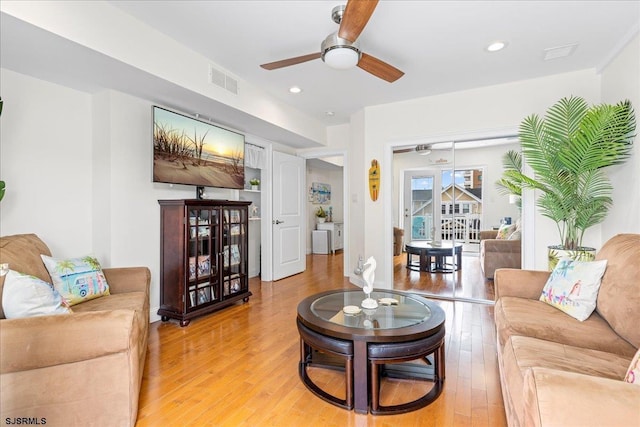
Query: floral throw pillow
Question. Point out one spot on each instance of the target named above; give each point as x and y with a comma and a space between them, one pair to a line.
28, 296
505, 231
633, 373
573, 287
77, 279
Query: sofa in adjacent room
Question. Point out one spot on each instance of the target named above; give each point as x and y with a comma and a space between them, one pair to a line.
398, 244
502, 251
556, 370
79, 369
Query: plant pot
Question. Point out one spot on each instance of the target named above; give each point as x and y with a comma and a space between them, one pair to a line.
321, 220
255, 187
555, 253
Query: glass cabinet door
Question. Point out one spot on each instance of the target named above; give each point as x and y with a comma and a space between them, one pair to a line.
234, 251
202, 258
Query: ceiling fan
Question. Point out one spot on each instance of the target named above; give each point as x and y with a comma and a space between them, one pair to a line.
341, 49
422, 149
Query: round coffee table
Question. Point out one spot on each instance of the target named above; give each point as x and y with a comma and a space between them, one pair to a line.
409, 320
428, 250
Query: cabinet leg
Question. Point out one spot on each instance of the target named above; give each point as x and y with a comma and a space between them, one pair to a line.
164, 318
185, 322
245, 299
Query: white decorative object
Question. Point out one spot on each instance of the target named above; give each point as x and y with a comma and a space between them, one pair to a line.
369, 275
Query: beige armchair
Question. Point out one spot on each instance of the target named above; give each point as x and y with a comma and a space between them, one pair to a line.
398, 246
498, 253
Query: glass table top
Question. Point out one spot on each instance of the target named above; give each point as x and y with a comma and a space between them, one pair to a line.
394, 310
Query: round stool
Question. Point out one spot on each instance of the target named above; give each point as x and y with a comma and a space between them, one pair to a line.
383, 353
309, 340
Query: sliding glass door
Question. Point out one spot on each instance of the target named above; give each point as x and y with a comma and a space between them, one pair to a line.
448, 195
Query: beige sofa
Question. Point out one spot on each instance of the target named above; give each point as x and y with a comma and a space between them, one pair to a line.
558, 371
498, 253
79, 369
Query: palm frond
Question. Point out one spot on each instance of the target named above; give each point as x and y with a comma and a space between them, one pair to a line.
567, 151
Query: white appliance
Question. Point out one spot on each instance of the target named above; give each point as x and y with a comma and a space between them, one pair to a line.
320, 241
336, 234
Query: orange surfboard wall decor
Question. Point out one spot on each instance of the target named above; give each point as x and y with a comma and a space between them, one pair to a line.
374, 180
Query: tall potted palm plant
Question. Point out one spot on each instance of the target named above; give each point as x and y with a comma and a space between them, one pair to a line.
568, 150
507, 185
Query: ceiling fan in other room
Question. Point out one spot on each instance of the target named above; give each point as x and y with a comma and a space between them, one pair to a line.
422, 149
341, 49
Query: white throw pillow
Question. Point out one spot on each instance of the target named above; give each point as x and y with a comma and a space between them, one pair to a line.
77, 279
573, 287
27, 296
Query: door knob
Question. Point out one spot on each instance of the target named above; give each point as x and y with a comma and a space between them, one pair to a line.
277, 221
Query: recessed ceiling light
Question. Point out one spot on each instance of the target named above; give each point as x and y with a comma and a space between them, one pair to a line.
330, 113
295, 89
496, 46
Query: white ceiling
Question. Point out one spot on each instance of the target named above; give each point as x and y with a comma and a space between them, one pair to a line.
438, 44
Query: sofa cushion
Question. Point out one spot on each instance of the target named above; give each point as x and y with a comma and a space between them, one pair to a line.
77, 279
521, 353
526, 317
22, 253
633, 373
137, 301
573, 287
619, 296
27, 296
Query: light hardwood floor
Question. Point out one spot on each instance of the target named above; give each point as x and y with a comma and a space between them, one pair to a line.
468, 282
238, 367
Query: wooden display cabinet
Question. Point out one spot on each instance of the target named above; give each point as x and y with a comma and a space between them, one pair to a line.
203, 257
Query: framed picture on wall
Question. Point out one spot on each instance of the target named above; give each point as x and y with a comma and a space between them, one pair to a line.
320, 193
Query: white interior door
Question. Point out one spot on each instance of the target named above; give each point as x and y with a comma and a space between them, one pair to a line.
288, 209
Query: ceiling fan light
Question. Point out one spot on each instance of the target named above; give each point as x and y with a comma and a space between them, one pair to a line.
423, 149
342, 58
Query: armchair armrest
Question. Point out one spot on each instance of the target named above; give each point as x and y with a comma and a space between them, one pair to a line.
488, 234
498, 245
519, 283
38, 342
128, 279
557, 398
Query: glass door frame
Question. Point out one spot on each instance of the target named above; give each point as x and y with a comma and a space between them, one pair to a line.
408, 217
499, 135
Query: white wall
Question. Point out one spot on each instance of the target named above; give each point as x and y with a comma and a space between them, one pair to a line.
45, 155
188, 69
78, 173
479, 110
621, 80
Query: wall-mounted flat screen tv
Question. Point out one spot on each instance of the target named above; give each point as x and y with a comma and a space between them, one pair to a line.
193, 152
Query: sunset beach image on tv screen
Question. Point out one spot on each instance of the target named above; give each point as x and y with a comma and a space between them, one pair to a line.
193, 152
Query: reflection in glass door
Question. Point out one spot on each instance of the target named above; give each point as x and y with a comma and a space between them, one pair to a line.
421, 217
456, 178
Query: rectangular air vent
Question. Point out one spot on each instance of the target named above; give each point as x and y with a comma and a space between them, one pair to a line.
222, 80
231, 84
216, 77
559, 51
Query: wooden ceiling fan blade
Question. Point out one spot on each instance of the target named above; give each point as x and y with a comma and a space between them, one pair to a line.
403, 150
291, 61
355, 18
379, 68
